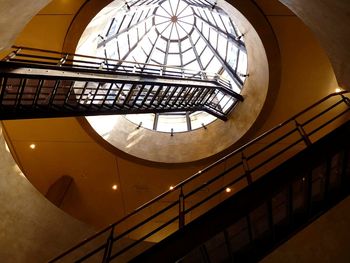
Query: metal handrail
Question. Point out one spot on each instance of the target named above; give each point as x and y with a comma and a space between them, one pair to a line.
303, 138
102, 63
200, 90
218, 83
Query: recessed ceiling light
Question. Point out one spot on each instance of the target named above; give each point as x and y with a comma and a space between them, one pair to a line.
171, 187
115, 187
32, 146
228, 189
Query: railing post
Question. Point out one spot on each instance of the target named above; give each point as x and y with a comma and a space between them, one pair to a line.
108, 250
246, 169
290, 204
181, 209
62, 60
12, 55
216, 77
302, 133
106, 63
346, 100
270, 219
202, 74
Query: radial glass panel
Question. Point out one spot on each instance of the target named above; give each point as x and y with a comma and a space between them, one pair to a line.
178, 35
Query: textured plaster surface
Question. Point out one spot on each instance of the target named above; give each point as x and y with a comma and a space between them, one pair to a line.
11, 24
31, 228
329, 20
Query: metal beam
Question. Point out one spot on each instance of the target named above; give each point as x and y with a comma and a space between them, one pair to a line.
238, 43
227, 67
125, 30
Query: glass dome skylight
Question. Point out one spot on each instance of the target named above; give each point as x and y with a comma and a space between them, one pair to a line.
181, 34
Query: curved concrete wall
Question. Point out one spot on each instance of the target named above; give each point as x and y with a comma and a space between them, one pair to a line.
23, 11
329, 20
31, 228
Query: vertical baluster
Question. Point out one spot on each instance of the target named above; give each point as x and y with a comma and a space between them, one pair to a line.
129, 96
170, 97
53, 94
62, 60
109, 245
12, 55
3, 89
118, 95
203, 98
209, 103
344, 181
20, 92
92, 99
199, 96
246, 169
228, 246
327, 178
164, 95
187, 92
38, 92
346, 100
106, 95
193, 93
309, 194
155, 95
188, 121
82, 92
290, 204
155, 121
178, 96
250, 229
141, 89
181, 209
302, 133
68, 94
270, 219
204, 254
147, 95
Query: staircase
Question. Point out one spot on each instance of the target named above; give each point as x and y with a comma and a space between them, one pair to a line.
252, 223
243, 205
37, 83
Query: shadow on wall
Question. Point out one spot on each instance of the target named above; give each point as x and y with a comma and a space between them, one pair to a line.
26, 216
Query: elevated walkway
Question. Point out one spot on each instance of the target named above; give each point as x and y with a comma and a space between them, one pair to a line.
38, 83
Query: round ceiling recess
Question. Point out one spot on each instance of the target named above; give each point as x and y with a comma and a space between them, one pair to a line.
184, 36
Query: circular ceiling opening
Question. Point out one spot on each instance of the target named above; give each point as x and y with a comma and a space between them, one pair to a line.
183, 36
193, 38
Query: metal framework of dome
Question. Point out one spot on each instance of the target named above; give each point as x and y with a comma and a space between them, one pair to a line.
180, 35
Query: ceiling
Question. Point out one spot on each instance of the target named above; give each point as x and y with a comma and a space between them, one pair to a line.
63, 147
